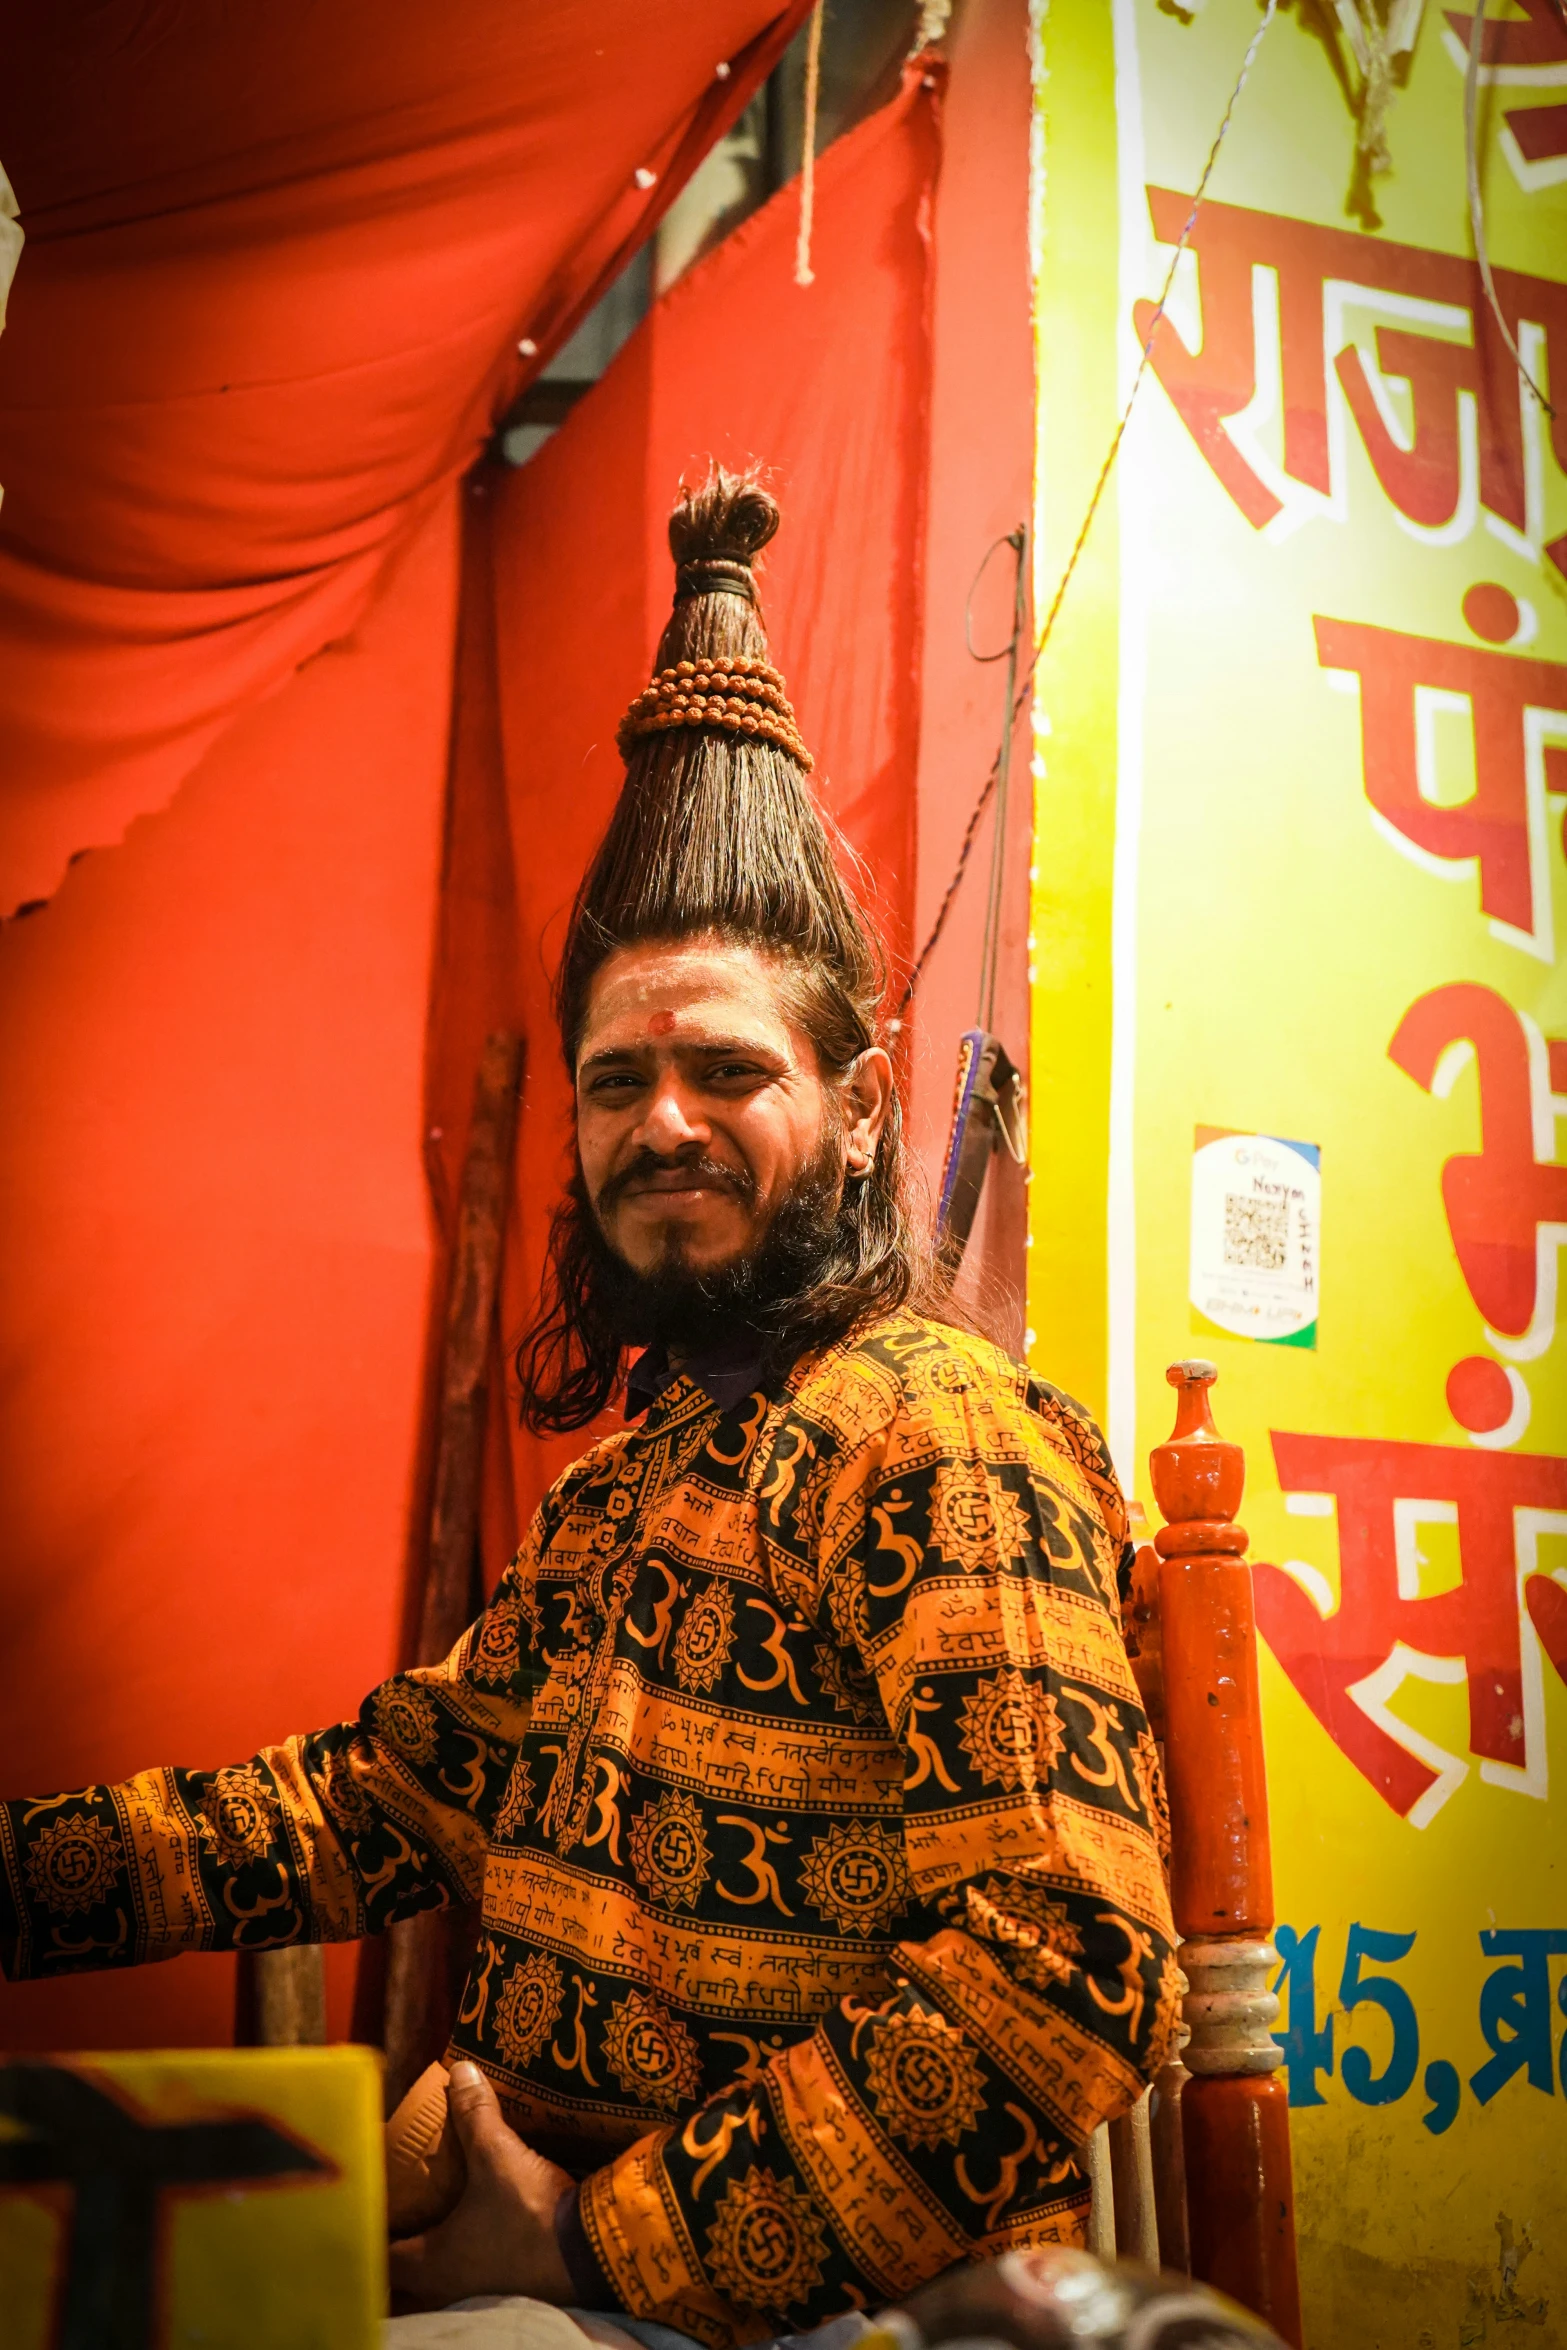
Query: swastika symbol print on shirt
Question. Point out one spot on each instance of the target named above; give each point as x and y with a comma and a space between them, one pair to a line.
925, 2083
651, 2053
239, 1818
800, 1733
528, 2008
766, 2243
73, 1863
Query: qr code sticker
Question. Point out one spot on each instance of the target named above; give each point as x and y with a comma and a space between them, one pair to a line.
1256, 1232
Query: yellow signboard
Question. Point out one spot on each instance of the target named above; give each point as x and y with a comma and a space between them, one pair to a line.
1300, 777
232, 2199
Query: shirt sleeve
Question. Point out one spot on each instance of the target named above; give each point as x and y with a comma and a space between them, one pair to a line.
321, 1839
966, 1563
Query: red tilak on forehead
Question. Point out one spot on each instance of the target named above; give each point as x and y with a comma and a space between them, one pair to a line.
661, 1023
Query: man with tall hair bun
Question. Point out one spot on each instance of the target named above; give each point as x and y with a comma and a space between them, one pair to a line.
797, 1761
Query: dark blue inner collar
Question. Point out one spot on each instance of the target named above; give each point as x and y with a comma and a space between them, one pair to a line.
727, 1369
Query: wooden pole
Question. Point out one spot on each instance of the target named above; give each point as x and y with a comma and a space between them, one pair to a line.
288, 1996
470, 1317
1131, 2172
418, 1952
1234, 2108
1101, 2192
1167, 2146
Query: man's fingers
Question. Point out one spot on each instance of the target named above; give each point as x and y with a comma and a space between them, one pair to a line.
408, 2263
474, 2108
466, 2087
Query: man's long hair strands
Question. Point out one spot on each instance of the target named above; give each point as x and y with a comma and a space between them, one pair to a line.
715, 834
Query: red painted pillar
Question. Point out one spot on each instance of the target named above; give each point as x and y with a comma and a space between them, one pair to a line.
1235, 2108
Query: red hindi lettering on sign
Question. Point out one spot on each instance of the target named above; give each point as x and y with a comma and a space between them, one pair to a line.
1502, 1200
1317, 270
1332, 1658
1493, 825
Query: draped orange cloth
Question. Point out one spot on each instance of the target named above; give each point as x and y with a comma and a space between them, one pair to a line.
237, 1051
278, 267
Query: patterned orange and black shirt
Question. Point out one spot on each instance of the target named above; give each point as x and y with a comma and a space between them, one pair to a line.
802, 1776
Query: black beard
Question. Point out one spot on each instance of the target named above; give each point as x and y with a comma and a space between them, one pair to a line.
683, 1311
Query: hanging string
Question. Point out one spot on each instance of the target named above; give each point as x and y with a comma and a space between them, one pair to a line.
1081, 540
990, 942
1476, 208
1376, 95
1378, 32
804, 275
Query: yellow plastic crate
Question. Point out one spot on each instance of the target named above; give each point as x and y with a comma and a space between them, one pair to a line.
207, 2199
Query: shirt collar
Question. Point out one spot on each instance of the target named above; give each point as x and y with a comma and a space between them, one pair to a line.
727, 1369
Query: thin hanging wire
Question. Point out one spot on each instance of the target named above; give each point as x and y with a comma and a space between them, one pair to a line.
804, 275
1078, 544
1476, 207
990, 946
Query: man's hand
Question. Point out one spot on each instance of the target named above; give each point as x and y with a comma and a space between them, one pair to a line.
501, 2236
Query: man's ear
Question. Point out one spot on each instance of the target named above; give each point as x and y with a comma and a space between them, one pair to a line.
867, 1100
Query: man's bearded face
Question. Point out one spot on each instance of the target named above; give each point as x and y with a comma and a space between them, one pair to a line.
707, 1138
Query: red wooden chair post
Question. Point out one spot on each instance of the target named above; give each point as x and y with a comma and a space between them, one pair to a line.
1235, 2108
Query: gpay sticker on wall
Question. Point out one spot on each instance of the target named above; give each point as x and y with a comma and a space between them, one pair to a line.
1256, 1221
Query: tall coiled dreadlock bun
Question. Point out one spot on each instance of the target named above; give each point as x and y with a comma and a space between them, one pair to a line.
715, 829
715, 536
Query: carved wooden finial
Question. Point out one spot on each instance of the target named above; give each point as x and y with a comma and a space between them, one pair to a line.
1197, 1475
1192, 1379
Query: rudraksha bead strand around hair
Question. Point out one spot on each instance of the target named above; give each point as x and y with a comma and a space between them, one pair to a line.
731, 695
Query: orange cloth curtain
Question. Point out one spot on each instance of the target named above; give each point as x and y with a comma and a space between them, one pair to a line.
218, 1252
279, 263
268, 309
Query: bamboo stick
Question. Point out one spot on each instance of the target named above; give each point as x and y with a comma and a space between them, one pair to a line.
419, 1949
1169, 2162
1101, 2185
1131, 2170
289, 1992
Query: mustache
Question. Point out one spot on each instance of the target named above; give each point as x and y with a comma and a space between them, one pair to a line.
737, 1180
802, 1247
